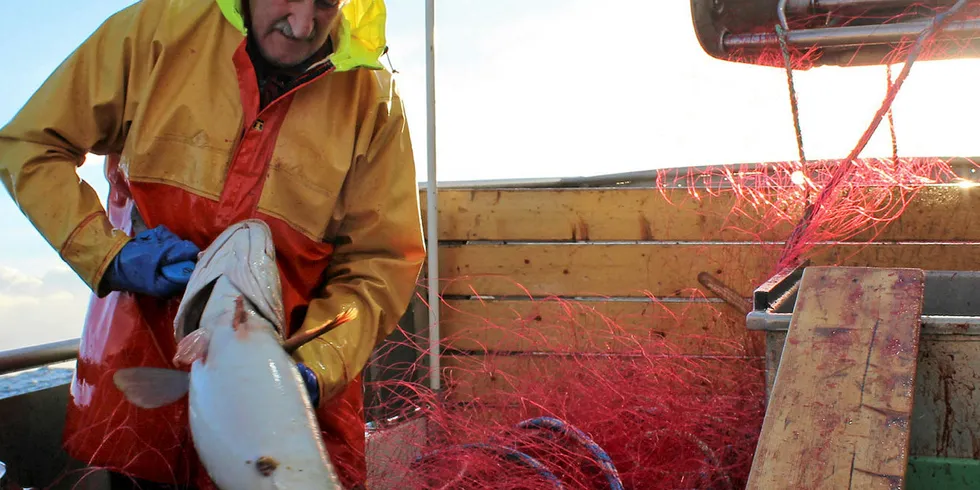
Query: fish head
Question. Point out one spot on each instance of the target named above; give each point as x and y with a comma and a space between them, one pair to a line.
245, 255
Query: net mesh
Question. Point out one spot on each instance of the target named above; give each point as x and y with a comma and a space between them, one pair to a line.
560, 393
587, 403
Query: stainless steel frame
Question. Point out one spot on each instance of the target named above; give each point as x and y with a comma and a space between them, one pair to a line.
841, 32
952, 303
852, 36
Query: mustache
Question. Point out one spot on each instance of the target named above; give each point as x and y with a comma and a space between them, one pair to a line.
282, 25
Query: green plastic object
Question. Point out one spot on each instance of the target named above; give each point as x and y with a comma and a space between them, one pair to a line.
925, 473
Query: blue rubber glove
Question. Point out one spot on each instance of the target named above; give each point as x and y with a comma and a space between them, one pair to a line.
155, 262
312, 386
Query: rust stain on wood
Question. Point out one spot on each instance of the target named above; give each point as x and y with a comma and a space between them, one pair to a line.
646, 231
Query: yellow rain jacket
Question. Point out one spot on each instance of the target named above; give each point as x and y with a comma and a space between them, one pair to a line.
166, 89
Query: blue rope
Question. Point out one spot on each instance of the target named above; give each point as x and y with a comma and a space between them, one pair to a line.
554, 425
508, 453
605, 462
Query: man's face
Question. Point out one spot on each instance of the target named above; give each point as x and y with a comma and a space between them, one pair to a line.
290, 31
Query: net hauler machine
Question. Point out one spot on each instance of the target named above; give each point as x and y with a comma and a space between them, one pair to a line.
834, 32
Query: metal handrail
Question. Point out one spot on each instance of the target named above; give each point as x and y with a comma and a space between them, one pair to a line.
38, 355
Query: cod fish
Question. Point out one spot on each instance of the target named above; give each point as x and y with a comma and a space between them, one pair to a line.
250, 416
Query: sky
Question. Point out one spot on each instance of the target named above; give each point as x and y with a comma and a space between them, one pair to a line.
541, 88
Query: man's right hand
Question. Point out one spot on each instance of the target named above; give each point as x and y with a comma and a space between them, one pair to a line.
139, 266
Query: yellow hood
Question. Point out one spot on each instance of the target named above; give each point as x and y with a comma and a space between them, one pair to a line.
359, 42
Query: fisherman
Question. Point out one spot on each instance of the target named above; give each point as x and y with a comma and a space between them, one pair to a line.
210, 112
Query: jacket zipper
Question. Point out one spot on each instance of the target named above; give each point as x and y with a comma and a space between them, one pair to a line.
243, 128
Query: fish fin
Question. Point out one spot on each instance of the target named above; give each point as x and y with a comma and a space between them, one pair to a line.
193, 347
301, 338
152, 387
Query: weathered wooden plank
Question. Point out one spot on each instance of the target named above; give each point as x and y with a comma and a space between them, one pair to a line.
643, 270
841, 405
494, 379
557, 325
613, 214
939, 213
600, 214
597, 270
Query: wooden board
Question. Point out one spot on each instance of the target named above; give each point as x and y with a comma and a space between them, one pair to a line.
554, 325
940, 213
616, 214
595, 215
496, 378
841, 405
643, 270
596, 270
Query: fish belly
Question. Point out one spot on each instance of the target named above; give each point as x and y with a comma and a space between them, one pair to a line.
250, 418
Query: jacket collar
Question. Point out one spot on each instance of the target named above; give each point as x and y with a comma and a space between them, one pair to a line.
359, 41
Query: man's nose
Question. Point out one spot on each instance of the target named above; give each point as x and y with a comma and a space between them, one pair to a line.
301, 18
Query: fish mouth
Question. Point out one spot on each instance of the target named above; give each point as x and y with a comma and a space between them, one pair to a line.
197, 303
195, 308
245, 255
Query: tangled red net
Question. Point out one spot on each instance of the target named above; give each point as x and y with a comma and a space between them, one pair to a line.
610, 409
589, 402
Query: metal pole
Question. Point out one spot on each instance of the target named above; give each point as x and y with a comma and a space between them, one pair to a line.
432, 186
864, 4
781, 13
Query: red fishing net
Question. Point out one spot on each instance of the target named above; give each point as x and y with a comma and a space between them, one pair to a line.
585, 404
557, 393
